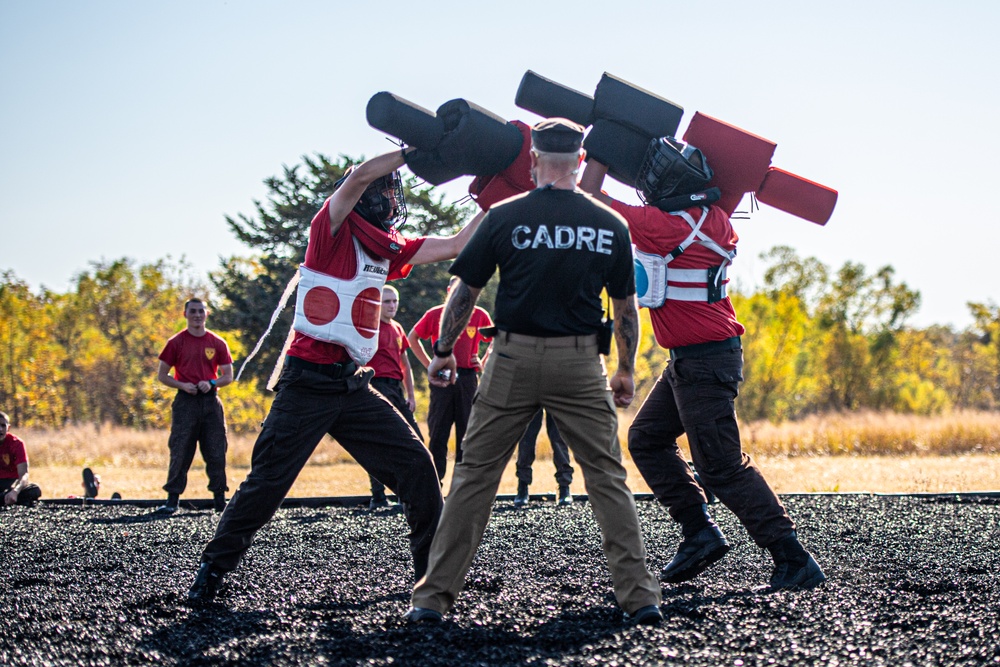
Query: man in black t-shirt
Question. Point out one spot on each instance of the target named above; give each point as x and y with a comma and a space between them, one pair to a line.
557, 250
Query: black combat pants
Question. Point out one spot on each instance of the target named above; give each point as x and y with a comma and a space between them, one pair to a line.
28, 496
392, 389
197, 419
450, 405
560, 452
696, 396
308, 406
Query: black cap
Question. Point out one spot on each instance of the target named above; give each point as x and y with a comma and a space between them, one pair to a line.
557, 135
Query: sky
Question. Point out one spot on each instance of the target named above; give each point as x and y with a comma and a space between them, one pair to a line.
131, 129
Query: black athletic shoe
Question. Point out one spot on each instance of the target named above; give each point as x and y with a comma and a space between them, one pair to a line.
565, 497
422, 615
695, 554
206, 583
649, 615
89, 483
521, 499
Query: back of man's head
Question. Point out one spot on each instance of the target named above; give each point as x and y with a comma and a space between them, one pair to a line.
557, 136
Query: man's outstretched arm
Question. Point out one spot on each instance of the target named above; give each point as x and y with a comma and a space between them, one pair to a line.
437, 248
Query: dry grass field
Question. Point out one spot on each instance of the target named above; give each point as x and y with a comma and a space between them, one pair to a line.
840, 453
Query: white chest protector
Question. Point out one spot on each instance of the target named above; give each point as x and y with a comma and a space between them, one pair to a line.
344, 311
653, 277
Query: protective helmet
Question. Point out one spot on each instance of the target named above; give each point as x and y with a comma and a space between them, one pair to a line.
671, 168
382, 203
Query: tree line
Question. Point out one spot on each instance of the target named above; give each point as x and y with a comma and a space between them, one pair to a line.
817, 340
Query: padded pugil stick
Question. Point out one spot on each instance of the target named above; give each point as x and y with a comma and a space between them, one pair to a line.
549, 99
619, 147
476, 141
796, 195
649, 114
739, 158
403, 119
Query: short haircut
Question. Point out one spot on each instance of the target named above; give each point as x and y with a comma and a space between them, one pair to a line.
193, 300
391, 289
6, 417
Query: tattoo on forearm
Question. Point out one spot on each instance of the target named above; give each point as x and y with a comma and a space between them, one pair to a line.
627, 335
457, 312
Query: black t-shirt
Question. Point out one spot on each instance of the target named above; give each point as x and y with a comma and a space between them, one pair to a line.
556, 250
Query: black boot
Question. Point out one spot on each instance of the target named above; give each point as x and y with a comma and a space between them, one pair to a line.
378, 501
219, 501
206, 583
89, 483
170, 506
521, 499
703, 545
565, 497
794, 568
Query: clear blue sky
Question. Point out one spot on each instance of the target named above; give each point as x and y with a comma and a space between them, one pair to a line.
129, 129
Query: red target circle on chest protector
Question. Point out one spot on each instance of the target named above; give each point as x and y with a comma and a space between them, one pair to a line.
366, 310
321, 305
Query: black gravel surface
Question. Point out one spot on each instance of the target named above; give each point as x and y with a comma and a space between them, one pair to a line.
912, 581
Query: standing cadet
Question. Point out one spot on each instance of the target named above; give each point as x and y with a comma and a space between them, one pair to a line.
451, 403
684, 250
557, 250
202, 365
393, 375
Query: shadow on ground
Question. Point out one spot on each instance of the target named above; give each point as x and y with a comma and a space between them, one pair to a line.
911, 580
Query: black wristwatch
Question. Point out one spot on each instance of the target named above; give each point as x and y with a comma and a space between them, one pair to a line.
440, 353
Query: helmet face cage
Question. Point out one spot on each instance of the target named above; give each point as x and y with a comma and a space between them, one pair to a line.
671, 167
382, 203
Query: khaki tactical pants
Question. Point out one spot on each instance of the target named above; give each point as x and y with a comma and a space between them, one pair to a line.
566, 377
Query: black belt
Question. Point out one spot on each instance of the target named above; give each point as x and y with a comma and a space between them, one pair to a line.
393, 381
466, 371
705, 349
335, 371
582, 340
201, 394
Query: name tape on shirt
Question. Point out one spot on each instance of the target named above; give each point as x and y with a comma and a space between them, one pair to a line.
563, 238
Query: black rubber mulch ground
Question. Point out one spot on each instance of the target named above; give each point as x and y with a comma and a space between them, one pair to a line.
911, 581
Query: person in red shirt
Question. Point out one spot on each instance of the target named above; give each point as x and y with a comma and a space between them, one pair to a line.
452, 404
14, 484
201, 363
681, 251
325, 385
393, 375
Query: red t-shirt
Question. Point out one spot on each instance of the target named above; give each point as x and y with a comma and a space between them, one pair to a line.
680, 323
334, 256
12, 454
467, 345
195, 358
392, 345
